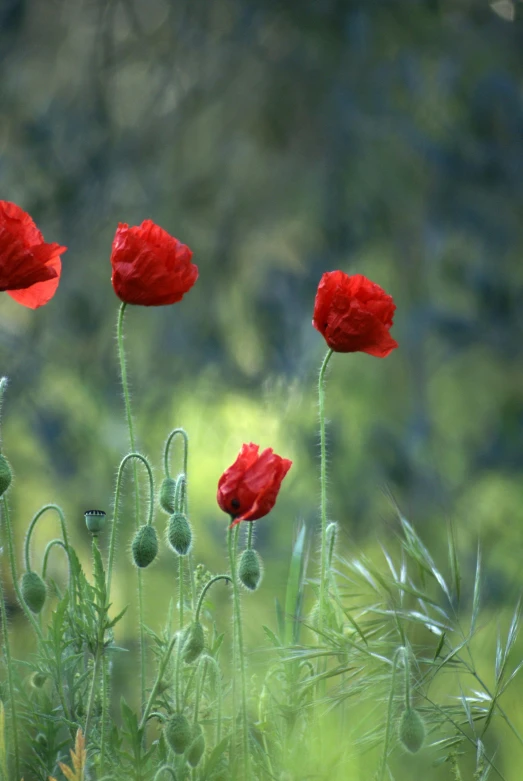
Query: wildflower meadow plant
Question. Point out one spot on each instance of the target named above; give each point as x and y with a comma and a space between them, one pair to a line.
358, 643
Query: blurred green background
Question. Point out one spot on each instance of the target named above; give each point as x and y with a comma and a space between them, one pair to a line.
278, 140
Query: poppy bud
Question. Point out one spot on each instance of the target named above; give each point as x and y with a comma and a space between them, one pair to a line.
178, 733
144, 546
5, 475
38, 680
412, 730
167, 494
33, 590
250, 570
193, 643
179, 534
197, 746
94, 520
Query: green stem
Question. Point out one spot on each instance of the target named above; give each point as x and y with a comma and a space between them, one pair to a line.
175, 432
389, 716
5, 636
250, 534
97, 658
130, 426
159, 677
48, 548
181, 595
218, 683
10, 682
204, 592
27, 543
232, 539
199, 686
323, 484
105, 698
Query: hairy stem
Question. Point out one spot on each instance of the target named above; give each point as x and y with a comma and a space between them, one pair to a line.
166, 460
232, 539
130, 426
204, 592
161, 671
323, 483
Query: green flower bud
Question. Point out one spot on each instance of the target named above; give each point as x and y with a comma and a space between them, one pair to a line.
38, 680
33, 591
197, 746
145, 546
5, 475
167, 494
179, 534
412, 730
94, 520
193, 643
250, 569
178, 733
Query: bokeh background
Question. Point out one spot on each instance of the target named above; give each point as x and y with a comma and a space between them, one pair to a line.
279, 140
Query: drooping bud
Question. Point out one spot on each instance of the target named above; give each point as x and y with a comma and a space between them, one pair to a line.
179, 534
5, 475
412, 730
193, 643
167, 494
178, 733
33, 591
145, 546
94, 520
250, 569
197, 746
38, 680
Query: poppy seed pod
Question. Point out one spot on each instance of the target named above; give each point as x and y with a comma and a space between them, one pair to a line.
179, 534
193, 643
94, 520
250, 569
412, 730
178, 733
167, 495
197, 746
5, 475
145, 546
33, 591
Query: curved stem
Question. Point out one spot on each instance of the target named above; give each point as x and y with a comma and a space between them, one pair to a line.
205, 589
130, 426
250, 534
232, 539
407, 678
117, 495
34, 521
48, 548
175, 432
323, 483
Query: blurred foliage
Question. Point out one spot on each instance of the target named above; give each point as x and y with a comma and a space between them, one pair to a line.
279, 140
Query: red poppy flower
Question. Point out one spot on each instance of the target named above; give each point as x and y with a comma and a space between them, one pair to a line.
247, 490
150, 267
29, 268
354, 314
